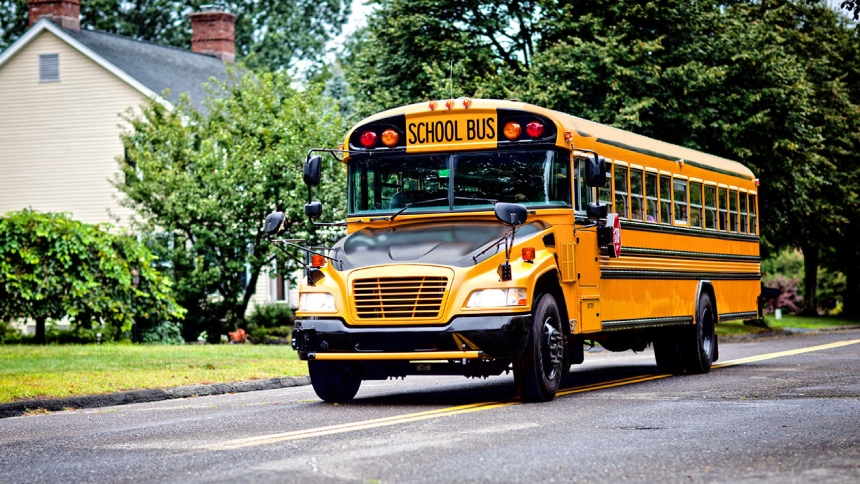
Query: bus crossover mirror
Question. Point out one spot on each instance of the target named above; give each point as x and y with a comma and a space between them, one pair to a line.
511, 213
313, 210
274, 223
596, 210
313, 168
595, 170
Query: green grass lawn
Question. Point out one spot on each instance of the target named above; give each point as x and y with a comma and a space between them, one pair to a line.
72, 370
730, 328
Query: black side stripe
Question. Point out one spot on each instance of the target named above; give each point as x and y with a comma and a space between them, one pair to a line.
697, 232
677, 275
735, 316
622, 324
680, 254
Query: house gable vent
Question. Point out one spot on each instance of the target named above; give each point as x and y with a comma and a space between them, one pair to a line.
49, 67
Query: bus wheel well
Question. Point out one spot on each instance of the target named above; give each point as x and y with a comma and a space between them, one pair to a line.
549, 283
705, 287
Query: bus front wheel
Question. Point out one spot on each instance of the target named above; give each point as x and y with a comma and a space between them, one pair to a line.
335, 381
537, 372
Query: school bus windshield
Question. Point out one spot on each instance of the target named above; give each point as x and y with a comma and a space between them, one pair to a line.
459, 181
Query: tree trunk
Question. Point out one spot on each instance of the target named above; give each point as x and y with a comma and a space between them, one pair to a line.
851, 298
40, 331
810, 279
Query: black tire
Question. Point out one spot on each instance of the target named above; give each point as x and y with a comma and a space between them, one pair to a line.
699, 346
668, 353
537, 372
335, 381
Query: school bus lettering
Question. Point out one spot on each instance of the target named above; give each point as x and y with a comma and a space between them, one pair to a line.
453, 130
469, 255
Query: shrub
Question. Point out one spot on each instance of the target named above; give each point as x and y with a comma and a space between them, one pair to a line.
166, 333
270, 316
789, 295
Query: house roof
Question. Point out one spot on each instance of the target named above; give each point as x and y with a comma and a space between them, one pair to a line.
148, 67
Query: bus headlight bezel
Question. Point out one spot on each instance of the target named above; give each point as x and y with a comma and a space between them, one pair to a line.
497, 297
316, 302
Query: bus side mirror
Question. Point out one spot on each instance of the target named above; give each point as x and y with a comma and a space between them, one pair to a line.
511, 213
596, 210
595, 171
274, 223
313, 167
313, 210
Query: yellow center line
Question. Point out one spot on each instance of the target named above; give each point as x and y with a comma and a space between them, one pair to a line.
780, 354
475, 407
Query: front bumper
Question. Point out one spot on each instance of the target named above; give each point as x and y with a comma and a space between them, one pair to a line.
469, 337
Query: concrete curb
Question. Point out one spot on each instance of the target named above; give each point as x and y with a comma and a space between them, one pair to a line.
15, 409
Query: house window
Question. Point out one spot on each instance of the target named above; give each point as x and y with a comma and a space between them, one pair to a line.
49, 67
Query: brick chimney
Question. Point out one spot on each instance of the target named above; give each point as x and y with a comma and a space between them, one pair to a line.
212, 33
65, 13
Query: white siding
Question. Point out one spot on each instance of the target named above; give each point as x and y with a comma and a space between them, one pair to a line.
59, 140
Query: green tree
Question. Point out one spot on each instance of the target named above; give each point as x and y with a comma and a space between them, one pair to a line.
273, 34
52, 267
410, 48
203, 184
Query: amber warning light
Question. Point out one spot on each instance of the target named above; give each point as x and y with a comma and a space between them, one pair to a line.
317, 260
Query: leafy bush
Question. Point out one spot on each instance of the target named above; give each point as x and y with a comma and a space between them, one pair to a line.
8, 334
789, 299
53, 267
279, 334
270, 316
166, 333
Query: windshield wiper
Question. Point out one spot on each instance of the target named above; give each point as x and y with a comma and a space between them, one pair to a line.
424, 202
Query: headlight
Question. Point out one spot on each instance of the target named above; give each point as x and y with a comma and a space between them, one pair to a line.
497, 298
316, 302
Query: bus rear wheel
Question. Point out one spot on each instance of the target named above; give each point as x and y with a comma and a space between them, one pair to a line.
335, 381
699, 348
537, 372
668, 354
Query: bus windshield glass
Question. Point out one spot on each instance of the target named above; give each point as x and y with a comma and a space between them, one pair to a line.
459, 181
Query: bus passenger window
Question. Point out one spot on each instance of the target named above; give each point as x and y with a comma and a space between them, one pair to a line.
743, 201
651, 196
733, 210
621, 191
695, 204
680, 200
724, 208
665, 199
637, 209
710, 207
752, 214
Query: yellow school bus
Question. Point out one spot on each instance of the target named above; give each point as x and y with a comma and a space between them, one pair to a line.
485, 236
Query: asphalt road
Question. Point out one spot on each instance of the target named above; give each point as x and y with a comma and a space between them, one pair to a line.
778, 410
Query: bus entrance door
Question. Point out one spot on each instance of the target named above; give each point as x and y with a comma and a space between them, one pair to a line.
588, 276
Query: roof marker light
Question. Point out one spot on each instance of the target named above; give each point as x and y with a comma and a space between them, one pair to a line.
757, 182
467, 103
368, 139
449, 104
390, 137
534, 129
513, 130
681, 163
568, 136
432, 105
